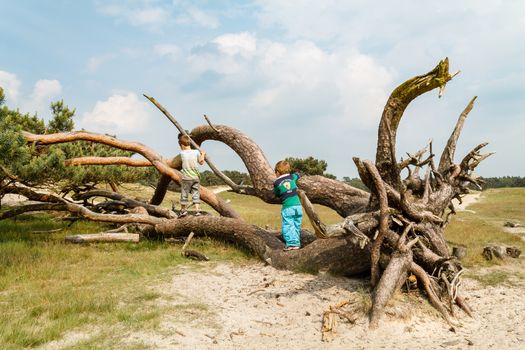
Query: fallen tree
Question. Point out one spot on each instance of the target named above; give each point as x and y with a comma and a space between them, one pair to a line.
395, 231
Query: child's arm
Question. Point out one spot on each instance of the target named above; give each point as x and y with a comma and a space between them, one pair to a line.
202, 156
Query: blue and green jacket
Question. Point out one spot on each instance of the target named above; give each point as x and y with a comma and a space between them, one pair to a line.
285, 187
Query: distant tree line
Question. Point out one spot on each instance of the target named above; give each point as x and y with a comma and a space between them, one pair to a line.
208, 178
505, 181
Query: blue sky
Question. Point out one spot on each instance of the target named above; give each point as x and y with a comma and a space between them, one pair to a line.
302, 78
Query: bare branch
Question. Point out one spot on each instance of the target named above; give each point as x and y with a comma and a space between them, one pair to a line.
108, 161
472, 155
31, 194
413, 159
398, 101
209, 197
210, 124
128, 202
383, 220
220, 174
122, 219
30, 208
447, 157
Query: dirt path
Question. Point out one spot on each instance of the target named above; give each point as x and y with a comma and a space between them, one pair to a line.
467, 200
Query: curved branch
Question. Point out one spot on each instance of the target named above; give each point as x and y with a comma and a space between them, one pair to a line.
128, 202
108, 161
31, 207
209, 197
383, 220
164, 182
32, 195
473, 158
113, 218
338, 254
343, 198
398, 101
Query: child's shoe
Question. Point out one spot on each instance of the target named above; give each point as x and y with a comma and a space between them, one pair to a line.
291, 247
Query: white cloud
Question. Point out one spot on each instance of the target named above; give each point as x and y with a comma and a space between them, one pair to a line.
298, 76
153, 16
202, 18
189, 14
44, 92
243, 44
120, 113
169, 50
148, 16
141, 14
11, 85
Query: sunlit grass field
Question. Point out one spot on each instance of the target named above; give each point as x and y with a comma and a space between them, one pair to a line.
483, 223
49, 288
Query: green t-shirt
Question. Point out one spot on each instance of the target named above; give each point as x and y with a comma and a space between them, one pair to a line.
285, 187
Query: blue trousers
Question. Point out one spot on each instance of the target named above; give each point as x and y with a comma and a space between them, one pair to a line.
291, 219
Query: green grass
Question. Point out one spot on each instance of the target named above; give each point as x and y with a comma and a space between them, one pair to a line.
477, 230
49, 288
497, 277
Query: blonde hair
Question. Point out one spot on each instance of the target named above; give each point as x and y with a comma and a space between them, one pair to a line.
282, 167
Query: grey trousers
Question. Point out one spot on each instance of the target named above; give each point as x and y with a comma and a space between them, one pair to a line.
190, 187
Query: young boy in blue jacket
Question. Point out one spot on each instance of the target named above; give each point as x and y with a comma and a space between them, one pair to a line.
285, 187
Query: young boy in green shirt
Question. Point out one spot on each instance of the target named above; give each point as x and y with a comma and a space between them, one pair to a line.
285, 187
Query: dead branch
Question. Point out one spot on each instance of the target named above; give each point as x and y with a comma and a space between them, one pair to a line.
15, 211
108, 161
447, 157
329, 323
210, 124
383, 220
207, 196
398, 101
127, 202
192, 253
104, 237
220, 174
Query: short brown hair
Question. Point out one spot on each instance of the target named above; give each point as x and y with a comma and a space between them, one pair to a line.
282, 167
185, 140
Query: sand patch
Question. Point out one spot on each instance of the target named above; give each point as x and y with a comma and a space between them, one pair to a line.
258, 307
466, 201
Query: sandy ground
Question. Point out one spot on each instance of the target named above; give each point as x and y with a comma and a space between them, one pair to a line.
255, 306
258, 307
467, 200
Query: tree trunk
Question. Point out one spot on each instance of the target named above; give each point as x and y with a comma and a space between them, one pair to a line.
394, 230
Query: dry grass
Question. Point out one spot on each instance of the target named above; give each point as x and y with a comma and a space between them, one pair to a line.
485, 226
49, 288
